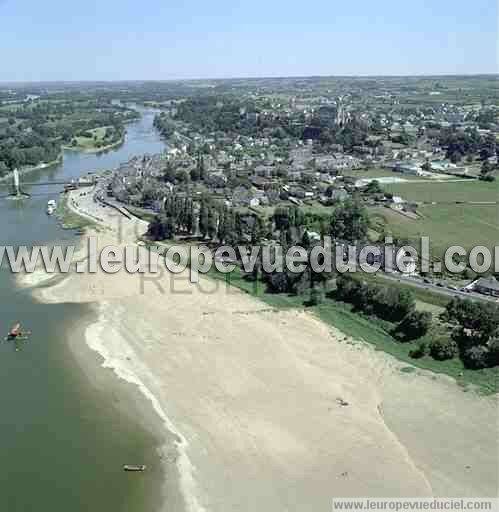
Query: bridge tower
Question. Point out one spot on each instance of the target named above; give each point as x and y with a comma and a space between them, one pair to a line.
17, 190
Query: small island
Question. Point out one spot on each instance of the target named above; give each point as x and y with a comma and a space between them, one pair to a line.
98, 139
34, 131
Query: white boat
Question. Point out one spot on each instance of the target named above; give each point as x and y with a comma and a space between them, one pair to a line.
52, 203
140, 467
50, 210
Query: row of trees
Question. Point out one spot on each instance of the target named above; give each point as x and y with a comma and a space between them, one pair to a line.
164, 125
391, 304
209, 219
349, 136
348, 222
460, 144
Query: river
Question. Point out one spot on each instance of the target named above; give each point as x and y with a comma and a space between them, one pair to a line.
64, 435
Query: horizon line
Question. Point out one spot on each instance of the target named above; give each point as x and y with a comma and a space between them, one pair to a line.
277, 77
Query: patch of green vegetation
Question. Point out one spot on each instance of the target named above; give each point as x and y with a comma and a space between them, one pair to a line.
141, 214
445, 224
408, 369
97, 139
378, 173
446, 192
70, 219
428, 297
434, 309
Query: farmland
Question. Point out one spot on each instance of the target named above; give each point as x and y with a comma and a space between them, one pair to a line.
378, 173
445, 225
446, 192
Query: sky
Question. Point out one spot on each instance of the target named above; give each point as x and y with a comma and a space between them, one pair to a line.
163, 39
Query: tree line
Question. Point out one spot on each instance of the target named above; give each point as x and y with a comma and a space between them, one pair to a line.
388, 303
34, 132
475, 332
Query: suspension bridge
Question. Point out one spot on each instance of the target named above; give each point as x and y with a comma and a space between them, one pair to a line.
18, 192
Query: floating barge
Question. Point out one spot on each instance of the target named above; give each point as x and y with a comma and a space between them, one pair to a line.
128, 467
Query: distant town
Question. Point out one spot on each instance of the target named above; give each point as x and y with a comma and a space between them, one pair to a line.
287, 162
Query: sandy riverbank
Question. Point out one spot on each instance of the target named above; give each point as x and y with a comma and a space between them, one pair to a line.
252, 396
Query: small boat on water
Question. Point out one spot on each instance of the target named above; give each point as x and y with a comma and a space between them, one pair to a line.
15, 330
51, 206
128, 467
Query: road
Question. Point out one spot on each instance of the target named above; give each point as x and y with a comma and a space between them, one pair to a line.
419, 283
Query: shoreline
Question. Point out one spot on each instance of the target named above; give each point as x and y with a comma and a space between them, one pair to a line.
139, 404
39, 167
123, 370
59, 160
178, 492
271, 432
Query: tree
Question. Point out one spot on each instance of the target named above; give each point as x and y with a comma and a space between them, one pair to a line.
494, 350
414, 325
349, 222
487, 167
476, 331
488, 148
212, 223
373, 187
476, 357
478, 322
420, 351
281, 218
277, 282
194, 173
169, 173
190, 217
3, 168
316, 296
426, 166
404, 304
161, 228
443, 348
200, 167
203, 219
258, 230
182, 177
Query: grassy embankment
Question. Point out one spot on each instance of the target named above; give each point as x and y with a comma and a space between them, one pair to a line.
371, 330
366, 329
69, 219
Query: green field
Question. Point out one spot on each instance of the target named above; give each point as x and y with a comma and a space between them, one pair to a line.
442, 192
446, 223
380, 173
